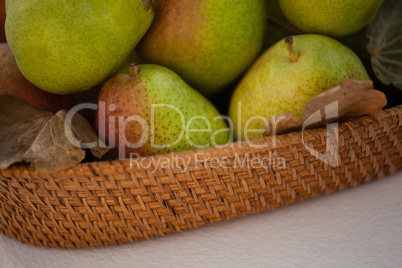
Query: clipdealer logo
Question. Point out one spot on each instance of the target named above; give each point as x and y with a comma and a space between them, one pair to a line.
329, 157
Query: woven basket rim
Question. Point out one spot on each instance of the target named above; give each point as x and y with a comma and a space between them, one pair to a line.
366, 119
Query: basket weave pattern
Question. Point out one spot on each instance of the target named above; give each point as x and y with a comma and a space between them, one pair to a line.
110, 203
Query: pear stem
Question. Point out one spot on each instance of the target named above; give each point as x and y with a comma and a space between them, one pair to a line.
293, 55
134, 68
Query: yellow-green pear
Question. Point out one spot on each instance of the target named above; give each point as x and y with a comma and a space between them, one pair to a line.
330, 17
70, 46
151, 110
209, 43
286, 76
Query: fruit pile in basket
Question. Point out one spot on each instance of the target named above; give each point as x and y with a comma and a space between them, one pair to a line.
155, 77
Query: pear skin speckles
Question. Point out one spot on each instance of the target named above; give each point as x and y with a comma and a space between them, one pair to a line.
13, 83
121, 97
208, 43
167, 105
330, 17
275, 85
70, 46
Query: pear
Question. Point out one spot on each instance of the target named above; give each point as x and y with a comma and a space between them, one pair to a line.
286, 76
208, 43
70, 46
13, 83
2, 20
330, 17
151, 110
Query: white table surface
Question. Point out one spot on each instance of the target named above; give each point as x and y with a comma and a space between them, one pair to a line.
359, 227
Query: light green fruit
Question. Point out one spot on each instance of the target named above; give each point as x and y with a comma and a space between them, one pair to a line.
282, 81
174, 116
70, 46
208, 43
330, 17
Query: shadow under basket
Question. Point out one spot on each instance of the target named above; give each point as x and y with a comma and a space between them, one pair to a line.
110, 203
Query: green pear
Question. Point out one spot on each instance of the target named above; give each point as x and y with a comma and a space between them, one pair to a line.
13, 83
70, 46
330, 17
286, 76
153, 111
208, 43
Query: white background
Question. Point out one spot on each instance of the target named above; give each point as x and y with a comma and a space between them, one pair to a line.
359, 227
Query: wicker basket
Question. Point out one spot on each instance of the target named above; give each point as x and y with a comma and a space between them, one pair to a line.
110, 203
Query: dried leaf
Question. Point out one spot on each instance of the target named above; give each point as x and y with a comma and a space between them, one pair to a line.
385, 46
41, 138
348, 100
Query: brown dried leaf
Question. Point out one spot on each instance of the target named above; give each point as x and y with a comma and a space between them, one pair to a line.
348, 100
38, 137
